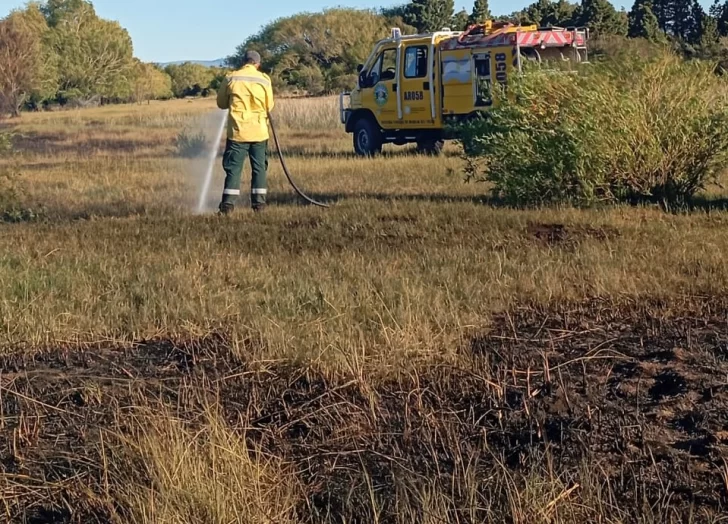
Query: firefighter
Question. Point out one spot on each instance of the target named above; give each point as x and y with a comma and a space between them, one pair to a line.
248, 96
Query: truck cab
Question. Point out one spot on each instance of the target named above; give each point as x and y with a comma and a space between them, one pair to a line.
395, 98
411, 86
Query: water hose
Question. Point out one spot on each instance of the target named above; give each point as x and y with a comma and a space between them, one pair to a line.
285, 167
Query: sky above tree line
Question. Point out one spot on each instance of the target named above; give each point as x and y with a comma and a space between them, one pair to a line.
171, 30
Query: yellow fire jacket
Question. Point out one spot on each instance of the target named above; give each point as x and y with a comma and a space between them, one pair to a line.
248, 95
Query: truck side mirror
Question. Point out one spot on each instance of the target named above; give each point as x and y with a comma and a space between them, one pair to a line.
363, 79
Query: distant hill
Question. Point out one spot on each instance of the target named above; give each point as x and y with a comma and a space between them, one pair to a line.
207, 63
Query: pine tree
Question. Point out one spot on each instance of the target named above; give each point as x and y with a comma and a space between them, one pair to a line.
643, 22
719, 11
431, 15
701, 22
559, 14
709, 44
687, 18
663, 11
602, 17
562, 13
481, 12
460, 21
538, 11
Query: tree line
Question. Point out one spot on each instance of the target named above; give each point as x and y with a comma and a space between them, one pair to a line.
318, 53
62, 52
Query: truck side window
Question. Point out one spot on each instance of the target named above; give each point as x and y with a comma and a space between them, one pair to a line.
389, 65
374, 72
415, 62
483, 80
385, 68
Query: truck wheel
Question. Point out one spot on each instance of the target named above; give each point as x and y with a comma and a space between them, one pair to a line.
430, 147
367, 138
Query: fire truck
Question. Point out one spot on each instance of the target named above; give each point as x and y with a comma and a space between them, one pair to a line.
413, 86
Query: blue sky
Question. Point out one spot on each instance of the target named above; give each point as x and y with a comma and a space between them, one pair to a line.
170, 30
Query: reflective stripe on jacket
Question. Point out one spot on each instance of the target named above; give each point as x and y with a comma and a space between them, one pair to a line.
248, 95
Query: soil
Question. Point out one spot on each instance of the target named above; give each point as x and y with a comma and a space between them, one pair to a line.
631, 400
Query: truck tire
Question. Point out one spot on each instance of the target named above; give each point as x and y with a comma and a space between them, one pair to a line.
367, 138
430, 147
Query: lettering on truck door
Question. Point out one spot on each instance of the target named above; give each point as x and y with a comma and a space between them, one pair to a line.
415, 83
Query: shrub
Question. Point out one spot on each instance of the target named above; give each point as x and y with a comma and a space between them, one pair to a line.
11, 208
6, 143
191, 145
617, 48
626, 130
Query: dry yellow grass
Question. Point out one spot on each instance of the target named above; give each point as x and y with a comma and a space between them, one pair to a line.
201, 474
396, 279
427, 259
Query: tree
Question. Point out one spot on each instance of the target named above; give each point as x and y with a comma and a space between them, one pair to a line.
461, 20
95, 55
561, 14
150, 83
218, 77
189, 79
686, 20
397, 11
55, 11
702, 23
643, 22
481, 12
26, 64
318, 52
683, 19
537, 11
719, 11
431, 15
547, 13
602, 17
709, 44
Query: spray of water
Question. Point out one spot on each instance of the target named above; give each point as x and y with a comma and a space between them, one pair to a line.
214, 148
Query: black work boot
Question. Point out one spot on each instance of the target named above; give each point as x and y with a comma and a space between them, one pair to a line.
225, 208
258, 208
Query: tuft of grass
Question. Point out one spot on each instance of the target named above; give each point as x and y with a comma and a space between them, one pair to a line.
6, 143
190, 144
198, 472
12, 208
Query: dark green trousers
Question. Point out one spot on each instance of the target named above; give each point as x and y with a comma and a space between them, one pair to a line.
233, 161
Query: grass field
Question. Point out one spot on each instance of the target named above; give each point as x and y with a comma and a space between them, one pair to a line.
415, 353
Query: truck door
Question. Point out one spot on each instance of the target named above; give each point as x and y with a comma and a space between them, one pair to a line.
415, 87
380, 93
483, 80
492, 69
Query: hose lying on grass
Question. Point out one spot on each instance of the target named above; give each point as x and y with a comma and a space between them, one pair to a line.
285, 168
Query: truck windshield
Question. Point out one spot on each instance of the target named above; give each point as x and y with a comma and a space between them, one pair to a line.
385, 67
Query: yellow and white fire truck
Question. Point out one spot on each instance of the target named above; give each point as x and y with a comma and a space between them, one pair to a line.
411, 87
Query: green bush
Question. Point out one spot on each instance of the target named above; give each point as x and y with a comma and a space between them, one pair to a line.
191, 145
626, 130
6, 143
11, 208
